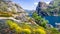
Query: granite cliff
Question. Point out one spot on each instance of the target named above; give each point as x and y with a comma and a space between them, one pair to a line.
51, 9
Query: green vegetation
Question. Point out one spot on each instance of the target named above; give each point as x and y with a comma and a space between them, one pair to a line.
3, 6
5, 14
56, 2
54, 8
40, 31
22, 28
14, 26
52, 31
27, 29
39, 20
42, 22
11, 27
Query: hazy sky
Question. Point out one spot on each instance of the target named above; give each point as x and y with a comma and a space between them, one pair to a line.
29, 4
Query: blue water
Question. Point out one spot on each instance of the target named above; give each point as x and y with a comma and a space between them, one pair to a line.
53, 19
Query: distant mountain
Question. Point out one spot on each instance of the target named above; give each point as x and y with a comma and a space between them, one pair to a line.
30, 12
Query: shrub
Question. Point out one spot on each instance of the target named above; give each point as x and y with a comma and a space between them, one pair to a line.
14, 26
39, 20
54, 31
39, 31
26, 31
25, 26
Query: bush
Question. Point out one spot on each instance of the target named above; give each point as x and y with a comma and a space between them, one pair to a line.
39, 20
14, 26
39, 31
54, 31
26, 31
25, 26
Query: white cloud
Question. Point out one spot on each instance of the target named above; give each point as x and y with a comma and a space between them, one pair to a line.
36, 3
47, 2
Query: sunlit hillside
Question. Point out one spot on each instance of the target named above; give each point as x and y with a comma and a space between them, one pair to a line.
16, 20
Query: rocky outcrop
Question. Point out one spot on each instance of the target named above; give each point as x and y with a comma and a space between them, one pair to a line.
55, 5
53, 9
18, 12
41, 6
11, 6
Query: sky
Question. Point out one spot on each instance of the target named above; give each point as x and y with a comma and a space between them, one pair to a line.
29, 4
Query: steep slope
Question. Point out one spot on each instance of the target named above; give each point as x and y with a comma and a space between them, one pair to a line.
11, 9
41, 7
53, 9
10, 6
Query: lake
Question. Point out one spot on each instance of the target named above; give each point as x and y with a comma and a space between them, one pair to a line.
53, 19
